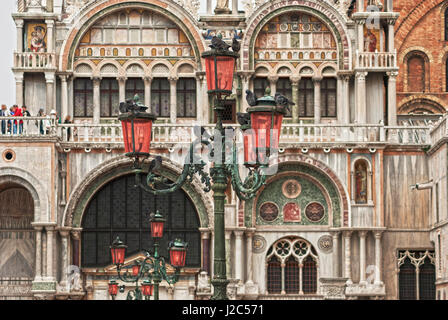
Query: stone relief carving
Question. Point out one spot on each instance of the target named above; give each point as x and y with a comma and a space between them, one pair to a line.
191, 6
73, 6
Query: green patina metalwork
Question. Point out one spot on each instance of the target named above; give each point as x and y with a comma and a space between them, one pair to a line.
310, 193
101, 181
43, 286
146, 5
289, 9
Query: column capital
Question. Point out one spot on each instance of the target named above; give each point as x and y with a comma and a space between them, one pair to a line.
50, 76
317, 79
295, 79
64, 231
205, 233
273, 78
246, 75
362, 233
344, 76
200, 75
238, 233
335, 234
361, 76
392, 75
250, 232
96, 80
347, 233
49, 23
378, 234
148, 79
228, 234
63, 77
76, 233
50, 228
19, 23
18, 76
173, 79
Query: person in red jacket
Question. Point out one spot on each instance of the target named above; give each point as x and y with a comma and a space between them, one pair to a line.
17, 113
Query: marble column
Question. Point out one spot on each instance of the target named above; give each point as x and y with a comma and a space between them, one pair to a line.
209, 7
283, 265
362, 257
347, 256
64, 232
205, 238
50, 253
343, 98
391, 35
122, 89
148, 81
38, 273
360, 31
249, 270
273, 84
64, 96
199, 110
76, 238
96, 99
378, 258
295, 80
173, 99
301, 278
19, 88
50, 81
335, 236
392, 98
317, 101
361, 101
50, 37
234, 7
239, 255
19, 27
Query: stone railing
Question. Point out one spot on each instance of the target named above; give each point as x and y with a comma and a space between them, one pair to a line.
34, 60
376, 60
169, 135
439, 130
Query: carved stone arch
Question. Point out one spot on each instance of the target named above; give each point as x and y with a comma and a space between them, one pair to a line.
413, 104
326, 65
161, 62
282, 65
182, 63
135, 62
120, 70
120, 166
86, 62
341, 210
310, 65
33, 185
98, 9
322, 10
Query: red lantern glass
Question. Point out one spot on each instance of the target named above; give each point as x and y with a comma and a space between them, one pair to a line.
147, 288
118, 252
178, 253
157, 224
219, 73
113, 288
142, 135
250, 147
135, 270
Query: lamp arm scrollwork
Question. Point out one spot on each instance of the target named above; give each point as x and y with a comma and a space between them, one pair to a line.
171, 279
254, 181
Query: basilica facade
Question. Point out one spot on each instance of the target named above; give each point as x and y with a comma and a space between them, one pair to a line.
356, 209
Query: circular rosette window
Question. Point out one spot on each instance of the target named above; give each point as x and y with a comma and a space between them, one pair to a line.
269, 211
314, 211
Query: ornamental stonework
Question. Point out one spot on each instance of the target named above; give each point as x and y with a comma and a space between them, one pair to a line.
325, 244
291, 188
258, 244
269, 211
314, 211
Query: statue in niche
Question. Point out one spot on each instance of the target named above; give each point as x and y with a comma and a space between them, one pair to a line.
370, 42
361, 182
222, 6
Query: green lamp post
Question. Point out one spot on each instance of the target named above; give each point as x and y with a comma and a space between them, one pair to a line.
261, 138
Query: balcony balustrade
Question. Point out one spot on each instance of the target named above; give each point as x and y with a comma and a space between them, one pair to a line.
34, 61
376, 61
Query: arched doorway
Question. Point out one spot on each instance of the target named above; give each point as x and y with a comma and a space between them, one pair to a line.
17, 244
120, 209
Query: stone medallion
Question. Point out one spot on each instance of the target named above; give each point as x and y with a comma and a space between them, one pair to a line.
291, 212
325, 243
291, 188
314, 211
258, 244
269, 211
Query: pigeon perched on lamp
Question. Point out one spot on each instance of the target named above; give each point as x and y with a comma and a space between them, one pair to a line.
236, 46
283, 101
243, 118
155, 164
251, 98
219, 44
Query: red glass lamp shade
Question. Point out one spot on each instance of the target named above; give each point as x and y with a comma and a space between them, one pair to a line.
219, 70
135, 270
178, 253
157, 224
118, 251
113, 288
147, 288
137, 128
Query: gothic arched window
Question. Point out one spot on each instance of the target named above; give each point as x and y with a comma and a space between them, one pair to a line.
407, 281
296, 260
120, 209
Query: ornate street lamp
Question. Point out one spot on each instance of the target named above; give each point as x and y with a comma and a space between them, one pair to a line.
152, 270
261, 137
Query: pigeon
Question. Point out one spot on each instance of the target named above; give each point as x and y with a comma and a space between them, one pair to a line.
283, 101
236, 46
123, 107
251, 98
219, 44
243, 118
200, 132
155, 164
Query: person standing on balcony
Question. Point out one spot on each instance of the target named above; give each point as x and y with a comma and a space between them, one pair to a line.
17, 113
25, 113
4, 113
68, 120
40, 123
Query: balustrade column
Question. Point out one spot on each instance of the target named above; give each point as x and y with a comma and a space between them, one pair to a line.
19, 26
347, 256
38, 274
148, 81
173, 99
50, 252
317, 100
50, 81
19, 88
378, 258
273, 84
361, 102
295, 80
50, 37
205, 238
122, 89
335, 236
239, 255
64, 96
362, 257
96, 99
392, 98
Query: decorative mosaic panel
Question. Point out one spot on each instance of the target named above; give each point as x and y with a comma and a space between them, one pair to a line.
134, 33
295, 36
